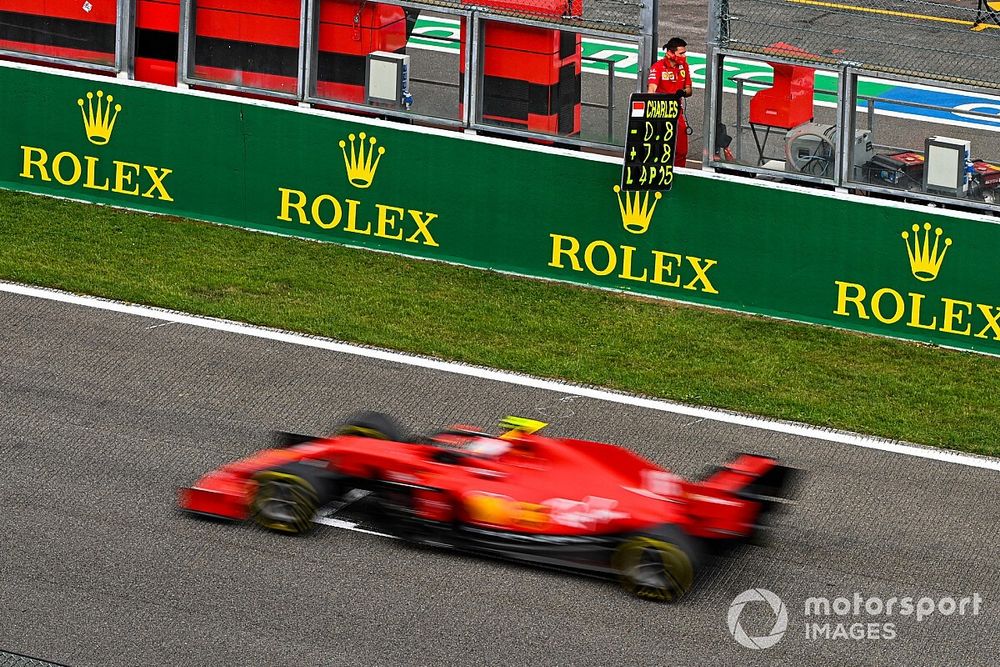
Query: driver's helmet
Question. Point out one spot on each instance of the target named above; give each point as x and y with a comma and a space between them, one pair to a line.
472, 442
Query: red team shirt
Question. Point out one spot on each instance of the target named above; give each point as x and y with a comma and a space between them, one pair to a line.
672, 77
669, 76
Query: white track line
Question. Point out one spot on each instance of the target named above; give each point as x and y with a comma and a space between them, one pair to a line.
349, 525
789, 428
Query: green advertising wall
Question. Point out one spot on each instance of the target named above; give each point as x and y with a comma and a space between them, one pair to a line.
724, 242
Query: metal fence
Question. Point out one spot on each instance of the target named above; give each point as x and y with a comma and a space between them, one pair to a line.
853, 51
617, 16
15, 660
957, 43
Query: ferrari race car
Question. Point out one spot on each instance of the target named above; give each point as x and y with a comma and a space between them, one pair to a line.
589, 506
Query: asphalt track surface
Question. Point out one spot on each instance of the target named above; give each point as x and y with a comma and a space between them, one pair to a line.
106, 414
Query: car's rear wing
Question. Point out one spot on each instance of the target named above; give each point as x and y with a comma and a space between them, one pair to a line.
754, 477
734, 500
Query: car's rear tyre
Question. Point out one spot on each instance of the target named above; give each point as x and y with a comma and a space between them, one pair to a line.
371, 425
657, 566
287, 497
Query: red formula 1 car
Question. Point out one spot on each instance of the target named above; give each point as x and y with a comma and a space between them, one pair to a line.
561, 502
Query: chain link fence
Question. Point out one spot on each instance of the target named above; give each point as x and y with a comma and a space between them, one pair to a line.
15, 660
956, 42
623, 17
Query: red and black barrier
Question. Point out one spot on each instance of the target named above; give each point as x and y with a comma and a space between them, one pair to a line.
246, 44
156, 41
59, 29
531, 78
348, 32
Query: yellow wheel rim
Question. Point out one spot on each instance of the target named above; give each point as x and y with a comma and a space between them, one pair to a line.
284, 502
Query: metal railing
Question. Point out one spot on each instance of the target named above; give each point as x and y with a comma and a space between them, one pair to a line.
610, 106
931, 40
851, 163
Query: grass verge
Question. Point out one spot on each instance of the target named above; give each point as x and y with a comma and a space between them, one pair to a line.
804, 373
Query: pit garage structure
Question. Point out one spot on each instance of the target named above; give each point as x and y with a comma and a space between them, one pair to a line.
509, 67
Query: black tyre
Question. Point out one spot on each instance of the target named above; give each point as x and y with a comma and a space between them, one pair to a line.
372, 425
288, 496
659, 565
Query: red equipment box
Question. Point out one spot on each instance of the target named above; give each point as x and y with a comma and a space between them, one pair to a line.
989, 174
60, 29
909, 159
345, 44
788, 102
157, 22
903, 170
531, 78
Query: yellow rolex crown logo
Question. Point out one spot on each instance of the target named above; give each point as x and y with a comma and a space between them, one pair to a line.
360, 167
636, 210
925, 261
98, 119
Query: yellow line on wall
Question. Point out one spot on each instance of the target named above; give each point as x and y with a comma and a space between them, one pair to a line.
890, 12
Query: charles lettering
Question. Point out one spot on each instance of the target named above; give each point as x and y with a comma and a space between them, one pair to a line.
662, 108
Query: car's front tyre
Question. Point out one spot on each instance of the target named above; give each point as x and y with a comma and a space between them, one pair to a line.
287, 497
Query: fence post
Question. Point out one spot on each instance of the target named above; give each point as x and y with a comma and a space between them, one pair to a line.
308, 51
713, 79
125, 40
185, 54
648, 48
846, 101
473, 69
